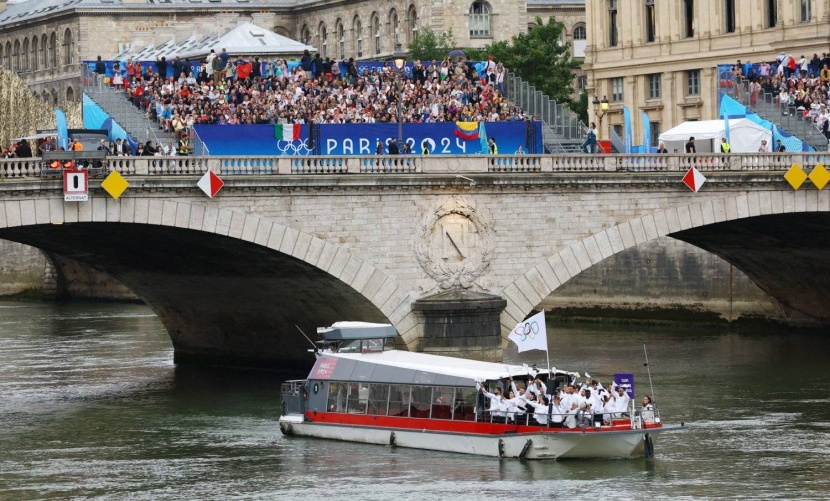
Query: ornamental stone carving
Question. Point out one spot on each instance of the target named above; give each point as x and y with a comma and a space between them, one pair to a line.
454, 244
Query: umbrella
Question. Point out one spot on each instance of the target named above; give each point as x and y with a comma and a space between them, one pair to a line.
456, 53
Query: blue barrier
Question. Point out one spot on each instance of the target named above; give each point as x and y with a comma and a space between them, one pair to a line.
361, 139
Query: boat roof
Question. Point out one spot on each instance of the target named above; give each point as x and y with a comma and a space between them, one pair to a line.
406, 367
341, 331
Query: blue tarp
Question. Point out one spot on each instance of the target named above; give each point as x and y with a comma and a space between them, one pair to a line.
97, 118
733, 109
361, 139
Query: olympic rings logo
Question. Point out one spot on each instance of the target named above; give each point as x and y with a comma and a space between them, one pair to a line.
528, 330
289, 148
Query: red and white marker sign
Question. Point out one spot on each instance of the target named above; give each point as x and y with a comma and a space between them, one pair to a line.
694, 179
210, 184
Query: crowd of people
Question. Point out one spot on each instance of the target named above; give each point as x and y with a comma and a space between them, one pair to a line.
591, 404
318, 90
800, 86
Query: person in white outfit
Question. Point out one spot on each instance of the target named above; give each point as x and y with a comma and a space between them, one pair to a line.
541, 408
498, 405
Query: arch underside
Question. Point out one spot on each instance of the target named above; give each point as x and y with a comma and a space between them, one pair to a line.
787, 255
224, 301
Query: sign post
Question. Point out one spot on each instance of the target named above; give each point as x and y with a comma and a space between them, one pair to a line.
75, 185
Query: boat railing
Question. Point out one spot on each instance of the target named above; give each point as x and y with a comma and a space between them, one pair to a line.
580, 420
293, 396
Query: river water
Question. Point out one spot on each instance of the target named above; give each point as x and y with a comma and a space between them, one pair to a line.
91, 405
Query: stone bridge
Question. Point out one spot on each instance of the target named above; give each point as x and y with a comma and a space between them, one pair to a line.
454, 251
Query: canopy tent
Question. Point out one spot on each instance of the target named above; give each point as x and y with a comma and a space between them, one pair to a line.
744, 136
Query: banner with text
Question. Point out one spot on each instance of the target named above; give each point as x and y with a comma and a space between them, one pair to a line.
626, 381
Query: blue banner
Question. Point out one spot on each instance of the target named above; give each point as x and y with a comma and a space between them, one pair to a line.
626, 381
96, 118
646, 133
362, 139
628, 129
61, 128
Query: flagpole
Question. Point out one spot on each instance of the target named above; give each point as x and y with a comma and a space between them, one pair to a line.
547, 346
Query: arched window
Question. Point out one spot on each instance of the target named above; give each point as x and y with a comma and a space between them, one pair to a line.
376, 32
70, 94
24, 56
68, 47
44, 96
16, 56
305, 35
33, 54
2, 55
412, 20
9, 62
322, 33
358, 36
54, 96
341, 40
44, 61
395, 25
53, 56
479, 20
580, 33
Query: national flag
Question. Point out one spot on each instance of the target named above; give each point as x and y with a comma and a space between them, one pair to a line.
287, 132
530, 334
466, 130
694, 179
482, 136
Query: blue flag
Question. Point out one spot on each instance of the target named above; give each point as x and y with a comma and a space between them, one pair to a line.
627, 125
482, 136
726, 127
646, 133
63, 131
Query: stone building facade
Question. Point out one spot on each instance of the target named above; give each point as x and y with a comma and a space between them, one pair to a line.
44, 41
660, 57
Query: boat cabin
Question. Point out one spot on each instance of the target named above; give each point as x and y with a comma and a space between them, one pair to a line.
357, 337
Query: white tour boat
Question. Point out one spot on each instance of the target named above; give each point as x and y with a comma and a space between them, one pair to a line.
361, 389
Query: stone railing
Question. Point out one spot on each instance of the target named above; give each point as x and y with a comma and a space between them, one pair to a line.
433, 164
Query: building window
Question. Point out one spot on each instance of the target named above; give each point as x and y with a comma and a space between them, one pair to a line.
613, 35
654, 86
322, 36
729, 16
305, 35
376, 33
35, 52
24, 56
617, 89
2, 54
16, 56
341, 38
396, 29
689, 18
9, 63
655, 134
53, 58
806, 10
772, 13
68, 47
479, 20
358, 35
44, 60
582, 82
651, 22
70, 94
412, 19
580, 33
693, 82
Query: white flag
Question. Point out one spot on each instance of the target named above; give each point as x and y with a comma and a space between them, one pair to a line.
531, 334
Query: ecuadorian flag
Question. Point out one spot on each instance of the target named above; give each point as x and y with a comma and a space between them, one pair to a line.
466, 130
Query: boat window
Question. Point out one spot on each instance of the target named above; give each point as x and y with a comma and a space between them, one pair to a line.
372, 345
378, 396
351, 346
421, 400
388, 344
358, 398
464, 408
442, 399
399, 397
337, 397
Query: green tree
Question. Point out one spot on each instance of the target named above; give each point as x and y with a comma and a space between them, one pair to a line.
428, 45
540, 59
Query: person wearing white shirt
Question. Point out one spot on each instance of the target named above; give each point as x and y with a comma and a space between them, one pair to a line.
541, 408
558, 413
621, 401
498, 406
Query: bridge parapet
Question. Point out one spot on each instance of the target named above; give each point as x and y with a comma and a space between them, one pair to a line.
436, 164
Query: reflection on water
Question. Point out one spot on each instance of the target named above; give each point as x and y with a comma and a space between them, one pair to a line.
91, 405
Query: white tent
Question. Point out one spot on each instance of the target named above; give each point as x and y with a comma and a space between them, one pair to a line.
744, 136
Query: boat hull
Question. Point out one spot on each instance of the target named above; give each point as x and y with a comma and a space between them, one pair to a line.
564, 444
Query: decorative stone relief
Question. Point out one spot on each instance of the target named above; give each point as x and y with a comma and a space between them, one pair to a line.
454, 243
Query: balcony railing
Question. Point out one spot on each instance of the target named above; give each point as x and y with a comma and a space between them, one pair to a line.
433, 164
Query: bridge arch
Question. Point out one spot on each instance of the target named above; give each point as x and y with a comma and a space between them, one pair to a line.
707, 224
98, 232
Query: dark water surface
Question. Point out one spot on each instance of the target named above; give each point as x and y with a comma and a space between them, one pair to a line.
91, 405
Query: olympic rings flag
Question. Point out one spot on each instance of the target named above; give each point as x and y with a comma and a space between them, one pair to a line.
531, 334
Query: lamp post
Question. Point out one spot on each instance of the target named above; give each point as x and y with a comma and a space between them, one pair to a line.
399, 58
600, 109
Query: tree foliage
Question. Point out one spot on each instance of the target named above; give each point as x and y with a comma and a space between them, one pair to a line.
428, 45
539, 58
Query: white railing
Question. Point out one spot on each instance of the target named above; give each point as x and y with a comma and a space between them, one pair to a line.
433, 164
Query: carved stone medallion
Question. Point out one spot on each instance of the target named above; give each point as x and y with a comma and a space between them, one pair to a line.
454, 243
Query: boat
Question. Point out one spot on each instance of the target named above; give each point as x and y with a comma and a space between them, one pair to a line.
362, 389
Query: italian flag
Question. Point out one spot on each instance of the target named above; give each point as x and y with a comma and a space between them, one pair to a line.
287, 132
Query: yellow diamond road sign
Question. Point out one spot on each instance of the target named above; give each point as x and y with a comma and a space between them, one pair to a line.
115, 184
795, 176
820, 176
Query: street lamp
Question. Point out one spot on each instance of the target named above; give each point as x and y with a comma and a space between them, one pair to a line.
600, 109
399, 58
